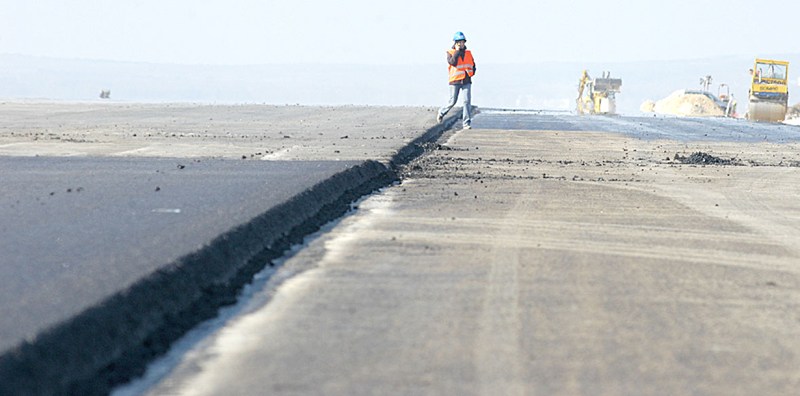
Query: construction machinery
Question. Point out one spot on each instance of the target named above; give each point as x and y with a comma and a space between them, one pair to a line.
769, 91
723, 99
724, 94
726, 97
725, 102
597, 96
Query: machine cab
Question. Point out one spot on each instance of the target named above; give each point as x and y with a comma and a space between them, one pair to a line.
770, 79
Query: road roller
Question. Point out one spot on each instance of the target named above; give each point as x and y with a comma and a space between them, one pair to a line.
769, 91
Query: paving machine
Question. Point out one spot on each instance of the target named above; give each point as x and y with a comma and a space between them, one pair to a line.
597, 96
769, 91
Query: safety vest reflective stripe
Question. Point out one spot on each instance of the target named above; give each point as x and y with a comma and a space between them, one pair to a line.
464, 67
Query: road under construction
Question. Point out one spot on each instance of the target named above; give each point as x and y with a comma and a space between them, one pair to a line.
538, 252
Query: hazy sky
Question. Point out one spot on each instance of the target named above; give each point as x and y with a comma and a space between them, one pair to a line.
239, 32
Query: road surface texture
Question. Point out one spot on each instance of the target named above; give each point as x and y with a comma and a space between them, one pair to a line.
126, 224
235, 132
538, 254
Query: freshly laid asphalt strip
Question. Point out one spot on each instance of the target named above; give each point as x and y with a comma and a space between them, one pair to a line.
106, 261
645, 128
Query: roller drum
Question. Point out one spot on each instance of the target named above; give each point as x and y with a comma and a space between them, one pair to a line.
766, 111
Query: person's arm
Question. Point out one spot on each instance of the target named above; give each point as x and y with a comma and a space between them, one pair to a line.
452, 59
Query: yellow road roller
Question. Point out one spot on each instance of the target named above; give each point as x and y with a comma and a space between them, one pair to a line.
769, 91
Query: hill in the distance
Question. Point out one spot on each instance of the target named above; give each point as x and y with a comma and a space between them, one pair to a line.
548, 85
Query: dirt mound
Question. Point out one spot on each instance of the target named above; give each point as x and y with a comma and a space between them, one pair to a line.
685, 104
648, 106
701, 158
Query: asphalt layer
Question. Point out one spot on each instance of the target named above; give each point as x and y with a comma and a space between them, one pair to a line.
100, 279
684, 129
304, 133
77, 230
107, 260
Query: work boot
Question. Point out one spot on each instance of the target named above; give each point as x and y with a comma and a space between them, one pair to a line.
439, 118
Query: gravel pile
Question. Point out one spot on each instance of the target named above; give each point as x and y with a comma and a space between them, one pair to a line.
701, 158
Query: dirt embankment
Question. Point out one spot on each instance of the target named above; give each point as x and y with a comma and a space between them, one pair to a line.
682, 103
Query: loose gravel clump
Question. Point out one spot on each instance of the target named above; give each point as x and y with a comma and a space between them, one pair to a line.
701, 158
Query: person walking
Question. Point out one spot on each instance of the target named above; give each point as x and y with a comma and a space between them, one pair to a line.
461, 68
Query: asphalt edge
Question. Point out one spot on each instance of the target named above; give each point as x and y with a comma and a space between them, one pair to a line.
112, 342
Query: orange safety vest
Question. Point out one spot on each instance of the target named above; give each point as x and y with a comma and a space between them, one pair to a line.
464, 67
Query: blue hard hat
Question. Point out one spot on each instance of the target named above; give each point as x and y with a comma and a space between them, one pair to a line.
459, 36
